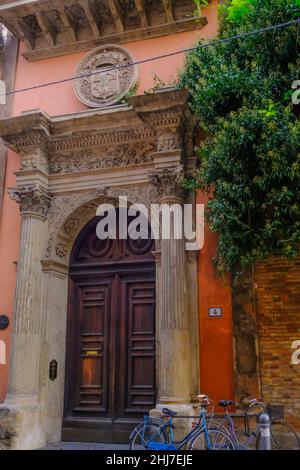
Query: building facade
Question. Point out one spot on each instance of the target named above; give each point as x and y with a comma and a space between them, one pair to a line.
101, 332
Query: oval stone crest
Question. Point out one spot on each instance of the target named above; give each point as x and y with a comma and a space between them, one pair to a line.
106, 84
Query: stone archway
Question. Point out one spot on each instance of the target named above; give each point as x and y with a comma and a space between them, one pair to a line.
67, 218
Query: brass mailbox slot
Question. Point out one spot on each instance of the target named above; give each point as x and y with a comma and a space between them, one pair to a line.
92, 353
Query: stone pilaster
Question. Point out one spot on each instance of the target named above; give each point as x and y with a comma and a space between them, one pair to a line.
29, 316
192, 281
173, 314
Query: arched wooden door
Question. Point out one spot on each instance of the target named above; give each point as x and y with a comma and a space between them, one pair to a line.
110, 359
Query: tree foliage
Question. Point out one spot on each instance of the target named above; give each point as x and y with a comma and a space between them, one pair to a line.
250, 163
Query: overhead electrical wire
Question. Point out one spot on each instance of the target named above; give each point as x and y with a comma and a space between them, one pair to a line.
162, 56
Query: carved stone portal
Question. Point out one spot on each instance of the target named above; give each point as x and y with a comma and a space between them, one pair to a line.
105, 76
68, 167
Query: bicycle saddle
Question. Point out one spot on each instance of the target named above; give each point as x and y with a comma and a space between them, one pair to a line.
226, 403
168, 412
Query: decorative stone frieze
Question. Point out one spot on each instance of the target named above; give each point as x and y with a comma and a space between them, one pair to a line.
93, 159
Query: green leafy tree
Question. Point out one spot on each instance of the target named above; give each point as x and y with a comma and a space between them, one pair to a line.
241, 92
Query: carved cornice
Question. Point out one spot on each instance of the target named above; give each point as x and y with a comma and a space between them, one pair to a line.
56, 28
121, 136
164, 109
86, 140
33, 200
27, 141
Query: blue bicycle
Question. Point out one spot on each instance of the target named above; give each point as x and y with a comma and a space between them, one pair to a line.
155, 434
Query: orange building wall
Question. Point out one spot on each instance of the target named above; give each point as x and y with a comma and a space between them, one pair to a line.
216, 346
61, 99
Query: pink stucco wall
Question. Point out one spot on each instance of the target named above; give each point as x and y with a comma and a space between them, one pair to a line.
61, 99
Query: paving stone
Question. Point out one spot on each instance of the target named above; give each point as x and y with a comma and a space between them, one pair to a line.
85, 446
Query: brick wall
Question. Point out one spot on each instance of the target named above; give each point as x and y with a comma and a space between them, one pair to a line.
277, 294
245, 337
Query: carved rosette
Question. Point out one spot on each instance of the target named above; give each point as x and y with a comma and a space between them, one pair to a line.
169, 184
33, 200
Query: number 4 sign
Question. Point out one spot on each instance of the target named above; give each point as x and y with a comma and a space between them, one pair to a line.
215, 312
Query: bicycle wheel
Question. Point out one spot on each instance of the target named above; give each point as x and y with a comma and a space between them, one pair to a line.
146, 432
283, 437
217, 440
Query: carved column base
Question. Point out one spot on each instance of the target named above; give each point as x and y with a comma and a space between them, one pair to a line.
182, 425
21, 427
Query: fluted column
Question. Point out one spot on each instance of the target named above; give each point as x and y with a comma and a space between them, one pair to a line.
173, 313
28, 307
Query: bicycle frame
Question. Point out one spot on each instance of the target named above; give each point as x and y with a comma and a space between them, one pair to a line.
232, 433
172, 445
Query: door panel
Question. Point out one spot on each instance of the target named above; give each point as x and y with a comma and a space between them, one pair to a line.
137, 355
110, 359
90, 342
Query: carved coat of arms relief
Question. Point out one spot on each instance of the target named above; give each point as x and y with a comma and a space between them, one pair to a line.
105, 76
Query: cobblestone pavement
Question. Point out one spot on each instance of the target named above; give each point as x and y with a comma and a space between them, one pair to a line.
85, 446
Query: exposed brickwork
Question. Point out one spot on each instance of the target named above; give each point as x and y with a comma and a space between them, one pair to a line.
244, 337
278, 320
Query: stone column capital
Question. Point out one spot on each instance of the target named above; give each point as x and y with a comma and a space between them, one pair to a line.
169, 184
33, 200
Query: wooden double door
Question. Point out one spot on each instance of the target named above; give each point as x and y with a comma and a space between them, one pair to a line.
110, 361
